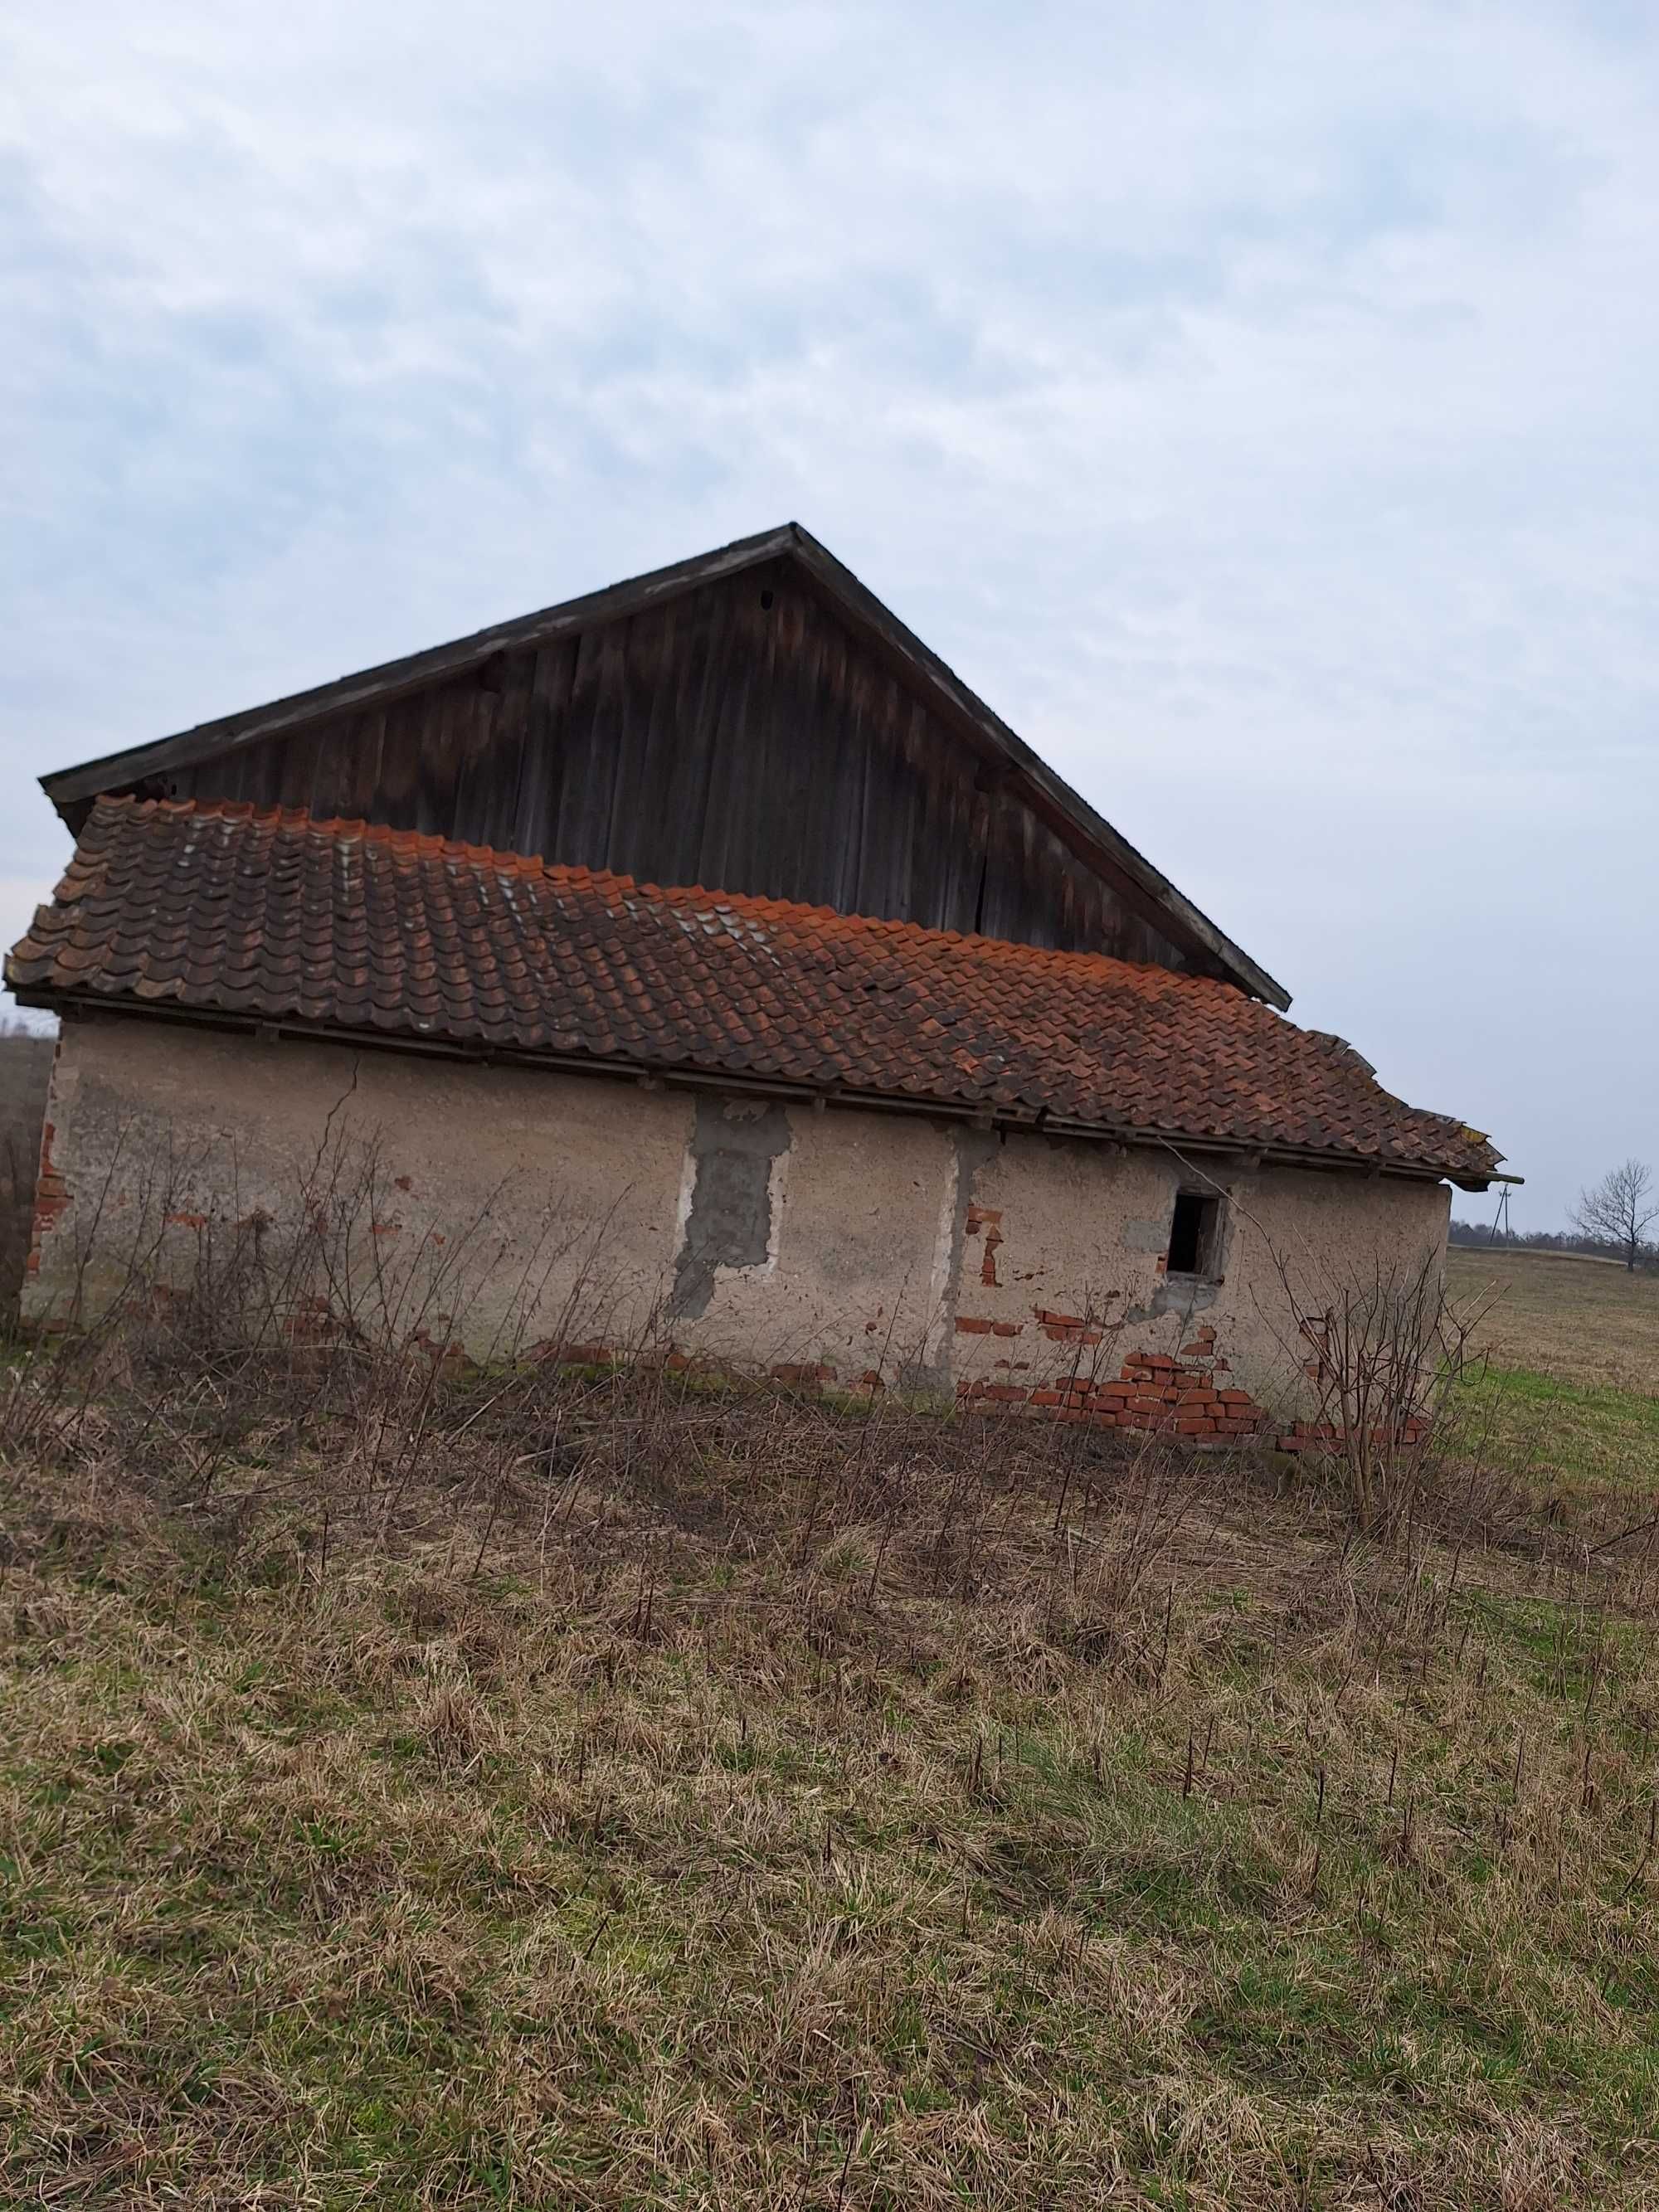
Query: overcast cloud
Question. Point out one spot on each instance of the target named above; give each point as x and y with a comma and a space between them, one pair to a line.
1256, 405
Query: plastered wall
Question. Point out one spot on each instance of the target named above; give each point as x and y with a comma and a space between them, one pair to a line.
507, 1207
25, 1072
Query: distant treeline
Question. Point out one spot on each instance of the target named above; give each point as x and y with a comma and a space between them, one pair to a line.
1540, 1240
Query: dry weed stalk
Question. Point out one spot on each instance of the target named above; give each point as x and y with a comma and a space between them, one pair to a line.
1386, 1358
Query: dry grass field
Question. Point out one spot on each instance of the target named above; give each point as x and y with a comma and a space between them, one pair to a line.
1574, 1351
1586, 1322
588, 1790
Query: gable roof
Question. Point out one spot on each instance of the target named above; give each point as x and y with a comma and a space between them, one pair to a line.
218, 910
70, 789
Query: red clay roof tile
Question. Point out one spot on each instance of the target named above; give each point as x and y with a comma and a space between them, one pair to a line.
221, 908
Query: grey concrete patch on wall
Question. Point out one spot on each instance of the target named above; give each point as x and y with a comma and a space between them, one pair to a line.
1145, 1236
932, 1372
1176, 1294
728, 1222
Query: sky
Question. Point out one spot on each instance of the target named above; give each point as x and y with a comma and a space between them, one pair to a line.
1254, 404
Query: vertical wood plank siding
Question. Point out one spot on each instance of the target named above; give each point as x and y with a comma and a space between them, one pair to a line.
739, 737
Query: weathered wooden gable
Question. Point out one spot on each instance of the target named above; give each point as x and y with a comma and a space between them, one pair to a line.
754, 721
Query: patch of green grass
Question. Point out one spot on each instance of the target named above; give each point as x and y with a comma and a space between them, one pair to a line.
1582, 1438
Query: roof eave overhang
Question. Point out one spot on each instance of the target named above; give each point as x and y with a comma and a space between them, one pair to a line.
692, 1075
1073, 818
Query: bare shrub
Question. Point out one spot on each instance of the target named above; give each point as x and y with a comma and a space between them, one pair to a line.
226, 1344
1381, 1356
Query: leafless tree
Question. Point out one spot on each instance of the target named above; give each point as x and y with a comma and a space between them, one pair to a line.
1621, 1210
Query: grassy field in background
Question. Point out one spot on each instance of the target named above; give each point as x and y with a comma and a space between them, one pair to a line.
1571, 1393
1581, 1320
618, 1797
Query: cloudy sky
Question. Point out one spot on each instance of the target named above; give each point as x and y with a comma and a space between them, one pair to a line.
1256, 404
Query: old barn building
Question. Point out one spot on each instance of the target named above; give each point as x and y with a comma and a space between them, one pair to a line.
705, 955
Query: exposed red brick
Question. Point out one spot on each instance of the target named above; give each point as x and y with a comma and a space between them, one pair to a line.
973, 1325
50, 1198
988, 1265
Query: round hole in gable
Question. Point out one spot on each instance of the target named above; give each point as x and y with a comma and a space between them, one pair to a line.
766, 601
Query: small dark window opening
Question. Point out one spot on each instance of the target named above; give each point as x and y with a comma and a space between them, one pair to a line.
1193, 1240
766, 601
